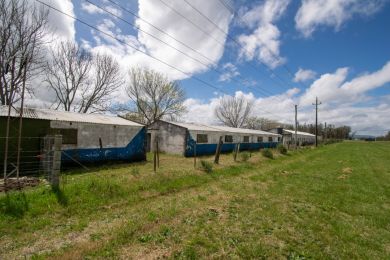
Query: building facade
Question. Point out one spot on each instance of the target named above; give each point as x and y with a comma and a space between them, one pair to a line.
189, 139
86, 138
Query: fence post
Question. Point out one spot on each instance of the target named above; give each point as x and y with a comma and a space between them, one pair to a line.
218, 151
195, 155
56, 161
236, 151
158, 153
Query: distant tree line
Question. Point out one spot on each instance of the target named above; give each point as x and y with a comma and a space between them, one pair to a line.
385, 137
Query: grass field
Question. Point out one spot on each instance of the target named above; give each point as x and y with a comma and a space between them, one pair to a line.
330, 202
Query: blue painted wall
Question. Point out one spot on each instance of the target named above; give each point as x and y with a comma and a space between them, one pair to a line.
134, 151
207, 149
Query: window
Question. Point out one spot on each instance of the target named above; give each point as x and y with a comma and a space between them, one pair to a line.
246, 139
270, 139
228, 139
259, 139
69, 136
279, 139
201, 138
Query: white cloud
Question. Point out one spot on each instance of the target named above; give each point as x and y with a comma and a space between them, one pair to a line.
94, 9
61, 25
303, 75
91, 9
263, 43
334, 87
156, 13
316, 13
230, 71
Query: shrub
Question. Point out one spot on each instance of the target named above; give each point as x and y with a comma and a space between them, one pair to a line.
267, 153
282, 149
244, 156
206, 166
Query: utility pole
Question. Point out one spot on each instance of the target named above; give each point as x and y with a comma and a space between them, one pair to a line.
316, 104
296, 126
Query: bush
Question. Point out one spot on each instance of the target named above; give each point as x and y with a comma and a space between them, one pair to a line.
282, 149
206, 166
244, 156
267, 153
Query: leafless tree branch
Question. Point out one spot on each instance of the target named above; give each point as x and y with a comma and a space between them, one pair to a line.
154, 95
233, 111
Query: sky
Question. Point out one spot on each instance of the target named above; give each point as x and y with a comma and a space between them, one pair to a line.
277, 53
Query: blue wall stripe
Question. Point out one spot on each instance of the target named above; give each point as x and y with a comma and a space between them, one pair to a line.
134, 151
207, 149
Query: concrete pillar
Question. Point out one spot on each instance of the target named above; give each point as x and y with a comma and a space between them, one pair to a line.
56, 161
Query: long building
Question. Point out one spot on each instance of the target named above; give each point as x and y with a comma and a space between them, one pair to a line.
190, 138
86, 138
303, 138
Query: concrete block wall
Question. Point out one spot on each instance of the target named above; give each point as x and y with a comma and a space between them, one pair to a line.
88, 134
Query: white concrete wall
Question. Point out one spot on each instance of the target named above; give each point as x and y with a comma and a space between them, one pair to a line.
213, 137
88, 134
172, 138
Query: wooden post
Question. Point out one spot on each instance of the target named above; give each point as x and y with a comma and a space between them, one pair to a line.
218, 151
237, 150
195, 155
158, 154
56, 163
154, 160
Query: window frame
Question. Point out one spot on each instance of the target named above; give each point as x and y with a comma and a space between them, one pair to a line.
230, 137
198, 141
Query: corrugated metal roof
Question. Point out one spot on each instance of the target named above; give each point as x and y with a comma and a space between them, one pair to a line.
245, 131
55, 115
298, 132
196, 127
215, 128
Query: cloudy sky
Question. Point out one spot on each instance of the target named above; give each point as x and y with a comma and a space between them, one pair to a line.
276, 52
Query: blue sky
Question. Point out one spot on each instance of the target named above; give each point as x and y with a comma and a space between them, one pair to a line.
339, 47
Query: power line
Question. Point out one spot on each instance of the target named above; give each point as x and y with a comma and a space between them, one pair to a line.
139, 50
273, 54
231, 38
263, 91
222, 44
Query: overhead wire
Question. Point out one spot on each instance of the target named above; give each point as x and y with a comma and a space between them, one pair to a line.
234, 40
263, 92
228, 36
273, 54
142, 51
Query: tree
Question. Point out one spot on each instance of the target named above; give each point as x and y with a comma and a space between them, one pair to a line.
233, 111
82, 82
22, 33
261, 123
155, 97
106, 79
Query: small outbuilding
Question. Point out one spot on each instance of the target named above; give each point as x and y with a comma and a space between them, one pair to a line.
289, 136
86, 138
190, 138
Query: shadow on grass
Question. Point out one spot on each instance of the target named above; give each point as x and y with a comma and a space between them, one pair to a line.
14, 204
60, 195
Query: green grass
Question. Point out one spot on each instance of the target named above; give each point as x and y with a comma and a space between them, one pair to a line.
330, 202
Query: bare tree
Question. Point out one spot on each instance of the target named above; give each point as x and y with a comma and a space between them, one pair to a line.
22, 33
67, 74
82, 83
154, 95
261, 123
106, 79
233, 111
